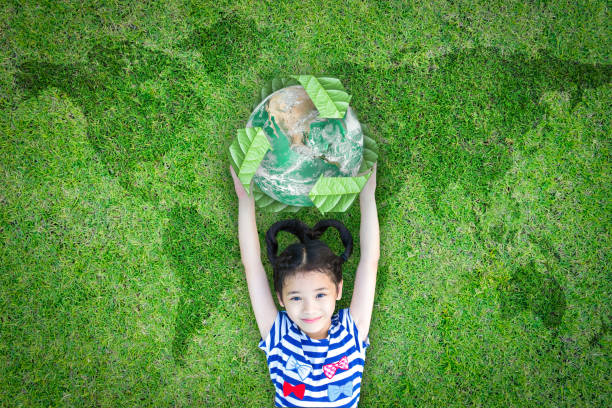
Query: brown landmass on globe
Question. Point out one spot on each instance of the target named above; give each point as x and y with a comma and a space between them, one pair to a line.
293, 111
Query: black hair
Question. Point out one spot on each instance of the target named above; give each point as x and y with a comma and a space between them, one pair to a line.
310, 254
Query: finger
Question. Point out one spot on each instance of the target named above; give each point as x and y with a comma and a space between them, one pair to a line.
372, 171
237, 184
234, 176
365, 173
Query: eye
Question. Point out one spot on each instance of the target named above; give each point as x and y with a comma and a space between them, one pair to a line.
321, 295
295, 298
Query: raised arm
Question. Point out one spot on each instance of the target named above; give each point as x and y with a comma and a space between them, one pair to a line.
259, 289
365, 277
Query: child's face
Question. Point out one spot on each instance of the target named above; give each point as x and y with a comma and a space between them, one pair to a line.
310, 299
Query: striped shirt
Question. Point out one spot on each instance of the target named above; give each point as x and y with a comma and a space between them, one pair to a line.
315, 373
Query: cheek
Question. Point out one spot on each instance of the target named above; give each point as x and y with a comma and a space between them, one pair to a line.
292, 308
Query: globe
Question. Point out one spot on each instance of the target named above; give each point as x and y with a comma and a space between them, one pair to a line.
304, 146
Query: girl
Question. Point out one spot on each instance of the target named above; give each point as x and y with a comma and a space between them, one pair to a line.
315, 357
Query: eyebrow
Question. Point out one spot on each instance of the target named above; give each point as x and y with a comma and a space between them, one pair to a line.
293, 292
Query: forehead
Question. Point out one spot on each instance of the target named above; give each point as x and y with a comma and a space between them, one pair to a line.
304, 281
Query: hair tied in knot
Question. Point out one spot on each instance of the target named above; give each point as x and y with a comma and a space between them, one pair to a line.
293, 226
311, 234
345, 235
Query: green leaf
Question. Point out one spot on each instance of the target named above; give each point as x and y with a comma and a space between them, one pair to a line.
370, 154
277, 84
269, 204
273, 86
247, 152
327, 94
336, 194
265, 91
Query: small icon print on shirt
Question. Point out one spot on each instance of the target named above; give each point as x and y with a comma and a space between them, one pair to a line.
335, 391
302, 369
298, 390
330, 369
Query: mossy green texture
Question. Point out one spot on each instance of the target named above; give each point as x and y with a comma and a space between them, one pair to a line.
121, 282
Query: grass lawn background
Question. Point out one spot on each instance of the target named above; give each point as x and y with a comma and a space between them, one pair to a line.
120, 275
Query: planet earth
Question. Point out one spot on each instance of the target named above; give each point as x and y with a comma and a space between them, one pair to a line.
304, 146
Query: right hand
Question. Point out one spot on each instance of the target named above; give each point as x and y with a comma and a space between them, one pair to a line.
240, 191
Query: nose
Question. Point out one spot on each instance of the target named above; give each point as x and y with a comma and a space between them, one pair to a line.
309, 306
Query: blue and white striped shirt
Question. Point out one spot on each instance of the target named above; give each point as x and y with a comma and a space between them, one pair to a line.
315, 373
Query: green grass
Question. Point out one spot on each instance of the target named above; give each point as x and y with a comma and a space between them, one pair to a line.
120, 275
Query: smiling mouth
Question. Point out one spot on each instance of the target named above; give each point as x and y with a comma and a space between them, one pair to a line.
311, 320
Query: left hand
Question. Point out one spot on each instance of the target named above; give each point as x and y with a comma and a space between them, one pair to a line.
370, 186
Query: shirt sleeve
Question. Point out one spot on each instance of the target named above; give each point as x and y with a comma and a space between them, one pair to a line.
351, 327
278, 330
